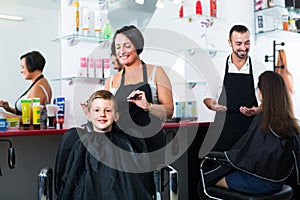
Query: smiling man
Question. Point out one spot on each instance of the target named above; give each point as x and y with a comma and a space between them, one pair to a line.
237, 103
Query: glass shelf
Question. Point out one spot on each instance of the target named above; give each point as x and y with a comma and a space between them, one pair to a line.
277, 11
208, 50
76, 77
274, 11
204, 19
72, 78
279, 33
79, 37
190, 84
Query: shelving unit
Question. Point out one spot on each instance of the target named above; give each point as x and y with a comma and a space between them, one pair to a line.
275, 13
80, 37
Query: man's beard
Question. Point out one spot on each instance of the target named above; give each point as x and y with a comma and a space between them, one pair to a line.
245, 54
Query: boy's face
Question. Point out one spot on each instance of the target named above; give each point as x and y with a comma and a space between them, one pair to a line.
102, 115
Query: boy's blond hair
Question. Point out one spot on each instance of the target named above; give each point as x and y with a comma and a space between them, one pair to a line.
102, 94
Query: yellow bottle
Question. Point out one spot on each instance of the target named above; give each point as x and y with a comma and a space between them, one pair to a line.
76, 5
36, 113
26, 112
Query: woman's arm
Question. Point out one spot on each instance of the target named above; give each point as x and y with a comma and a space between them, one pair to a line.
5, 105
165, 108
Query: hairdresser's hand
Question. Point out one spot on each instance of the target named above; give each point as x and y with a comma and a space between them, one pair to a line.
84, 106
215, 106
139, 98
249, 111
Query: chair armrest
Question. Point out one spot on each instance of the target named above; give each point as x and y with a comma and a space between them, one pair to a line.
173, 182
217, 158
45, 184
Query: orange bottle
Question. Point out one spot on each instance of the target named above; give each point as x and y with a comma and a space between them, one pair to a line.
285, 22
213, 8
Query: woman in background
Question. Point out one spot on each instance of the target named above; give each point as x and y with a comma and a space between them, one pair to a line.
283, 70
32, 65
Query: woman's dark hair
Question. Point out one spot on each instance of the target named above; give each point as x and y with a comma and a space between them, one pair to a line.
134, 35
239, 29
276, 105
34, 60
113, 49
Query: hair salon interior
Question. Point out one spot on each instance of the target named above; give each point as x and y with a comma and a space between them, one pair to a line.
49, 27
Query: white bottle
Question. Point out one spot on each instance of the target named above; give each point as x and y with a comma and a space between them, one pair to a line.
98, 23
85, 21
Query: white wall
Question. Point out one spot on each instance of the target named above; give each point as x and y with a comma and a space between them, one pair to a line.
229, 12
18, 37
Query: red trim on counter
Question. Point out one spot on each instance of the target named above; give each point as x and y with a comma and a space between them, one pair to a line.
31, 132
185, 124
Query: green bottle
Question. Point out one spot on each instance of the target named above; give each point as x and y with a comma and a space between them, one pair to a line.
107, 32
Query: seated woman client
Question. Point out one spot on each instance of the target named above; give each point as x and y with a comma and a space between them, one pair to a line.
32, 65
263, 159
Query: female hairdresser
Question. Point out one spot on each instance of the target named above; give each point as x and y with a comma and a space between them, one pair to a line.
144, 92
32, 65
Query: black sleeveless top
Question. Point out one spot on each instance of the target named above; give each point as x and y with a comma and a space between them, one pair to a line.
133, 120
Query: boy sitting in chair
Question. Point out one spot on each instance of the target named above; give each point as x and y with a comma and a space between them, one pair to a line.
100, 162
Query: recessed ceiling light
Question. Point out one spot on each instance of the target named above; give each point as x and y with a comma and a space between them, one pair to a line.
11, 17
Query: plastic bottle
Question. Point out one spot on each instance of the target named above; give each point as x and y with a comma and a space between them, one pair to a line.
260, 23
198, 7
60, 115
85, 21
76, 5
98, 22
213, 8
26, 112
107, 32
36, 113
292, 25
181, 11
2, 119
285, 22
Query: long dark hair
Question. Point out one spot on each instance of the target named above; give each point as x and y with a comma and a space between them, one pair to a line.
276, 105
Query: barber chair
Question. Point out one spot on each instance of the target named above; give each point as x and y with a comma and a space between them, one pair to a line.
46, 176
219, 193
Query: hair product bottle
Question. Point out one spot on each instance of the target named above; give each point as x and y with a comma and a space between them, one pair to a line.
198, 7
85, 21
98, 23
76, 5
36, 113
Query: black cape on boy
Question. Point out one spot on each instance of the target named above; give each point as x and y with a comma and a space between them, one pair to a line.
85, 177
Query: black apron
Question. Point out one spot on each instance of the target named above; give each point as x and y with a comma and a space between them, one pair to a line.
136, 122
238, 91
